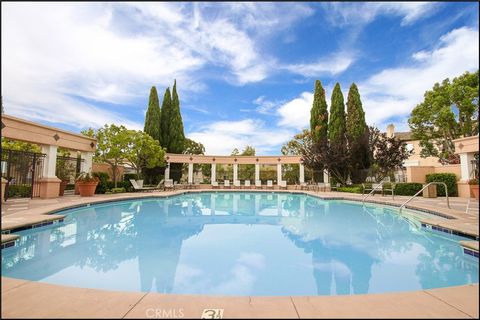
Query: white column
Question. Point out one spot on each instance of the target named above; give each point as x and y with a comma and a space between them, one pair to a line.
167, 172
326, 178
279, 173
235, 172
214, 172
190, 173
257, 171
50, 163
87, 163
302, 173
466, 165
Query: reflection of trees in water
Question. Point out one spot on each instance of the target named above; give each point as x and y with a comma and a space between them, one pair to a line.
436, 266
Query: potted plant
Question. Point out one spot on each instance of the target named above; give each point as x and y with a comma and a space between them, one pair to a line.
474, 187
87, 184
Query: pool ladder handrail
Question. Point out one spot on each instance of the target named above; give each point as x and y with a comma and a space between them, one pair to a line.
424, 187
373, 190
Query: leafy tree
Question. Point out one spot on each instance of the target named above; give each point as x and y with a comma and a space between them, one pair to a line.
246, 171
319, 115
386, 153
152, 118
113, 143
449, 111
143, 151
295, 146
357, 136
193, 147
165, 118
20, 145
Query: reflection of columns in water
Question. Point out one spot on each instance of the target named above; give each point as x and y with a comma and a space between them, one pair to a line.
43, 243
189, 207
165, 205
235, 203
302, 207
279, 204
213, 197
257, 204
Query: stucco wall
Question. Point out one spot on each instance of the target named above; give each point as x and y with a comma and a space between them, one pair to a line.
103, 167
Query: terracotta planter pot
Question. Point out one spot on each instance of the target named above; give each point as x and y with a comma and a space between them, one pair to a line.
87, 189
63, 185
474, 190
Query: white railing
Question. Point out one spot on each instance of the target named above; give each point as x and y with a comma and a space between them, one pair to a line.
426, 186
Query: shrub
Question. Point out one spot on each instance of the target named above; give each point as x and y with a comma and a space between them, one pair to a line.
117, 190
19, 190
450, 179
128, 176
352, 189
102, 184
406, 189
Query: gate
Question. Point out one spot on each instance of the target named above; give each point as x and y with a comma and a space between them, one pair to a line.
23, 171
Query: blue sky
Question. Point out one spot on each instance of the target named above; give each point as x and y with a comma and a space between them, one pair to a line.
245, 71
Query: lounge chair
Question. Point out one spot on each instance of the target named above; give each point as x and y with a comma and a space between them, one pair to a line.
283, 184
376, 186
196, 185
236, 184
215, 185
136, 187
226, 184
258, 184
303, 186
335, 187
168, 184
269, 184
247, 184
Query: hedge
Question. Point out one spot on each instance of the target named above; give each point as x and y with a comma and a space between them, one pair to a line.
105, 185
450, 180
352, 189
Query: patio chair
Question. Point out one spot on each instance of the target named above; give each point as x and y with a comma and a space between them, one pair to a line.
137, 188
390, 189
335, 187
168, 184
269, 184
196, 185
226, 184
236, 184
283, 185
303, 186
374, 186
258, 184
247, 184
215, 185
321, 186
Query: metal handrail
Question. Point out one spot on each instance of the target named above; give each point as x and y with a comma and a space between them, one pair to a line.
373, 190
416, 194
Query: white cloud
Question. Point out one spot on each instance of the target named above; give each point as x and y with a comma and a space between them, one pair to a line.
265, 106
221, 137
296, 113
333, 65
113, 52
396, 91
364, 13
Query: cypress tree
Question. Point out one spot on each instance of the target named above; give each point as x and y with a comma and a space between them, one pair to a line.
152, 118
357, 136
356, 125
165, 120
177, 136
319, 115
336, 123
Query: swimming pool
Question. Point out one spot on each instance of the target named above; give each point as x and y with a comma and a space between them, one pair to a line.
240, 243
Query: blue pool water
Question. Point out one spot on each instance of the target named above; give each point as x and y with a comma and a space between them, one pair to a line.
240, 244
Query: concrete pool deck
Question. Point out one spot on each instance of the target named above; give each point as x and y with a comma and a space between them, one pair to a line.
22, 298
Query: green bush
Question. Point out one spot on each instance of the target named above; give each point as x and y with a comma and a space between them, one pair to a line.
117, 190
128, 176
102, 186
70, 186
450, 179
406, 189
19, 190
351, 189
